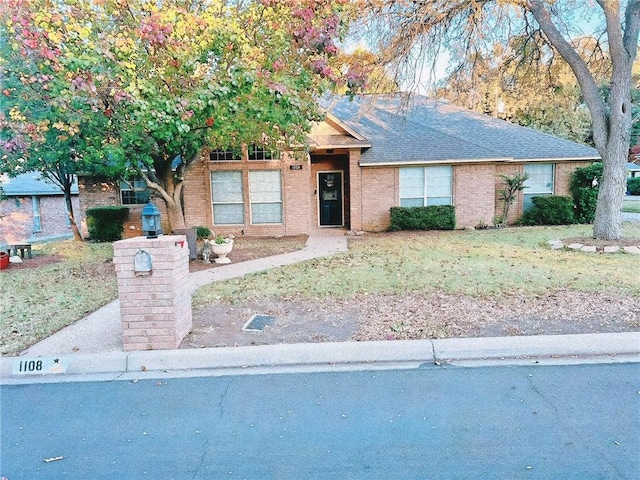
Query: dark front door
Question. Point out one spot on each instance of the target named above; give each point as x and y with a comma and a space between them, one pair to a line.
330, 198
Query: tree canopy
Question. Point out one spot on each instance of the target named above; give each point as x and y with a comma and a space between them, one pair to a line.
146, 86
414, 34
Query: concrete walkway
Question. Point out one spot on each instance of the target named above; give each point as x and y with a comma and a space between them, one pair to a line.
100, 331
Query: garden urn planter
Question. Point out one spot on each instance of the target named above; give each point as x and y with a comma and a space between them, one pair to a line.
221, 251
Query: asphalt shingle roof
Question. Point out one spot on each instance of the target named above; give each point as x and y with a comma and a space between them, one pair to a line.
418, 129
31, 183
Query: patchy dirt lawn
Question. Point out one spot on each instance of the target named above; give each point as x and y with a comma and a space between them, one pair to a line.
250, 248
414, 316
379, 317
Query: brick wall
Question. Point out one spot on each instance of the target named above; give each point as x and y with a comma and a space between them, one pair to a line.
155, 308
379, 193
355, 191
563, 176
515, 210
298, 197
369, 193
197, 194
473, 194
17, 222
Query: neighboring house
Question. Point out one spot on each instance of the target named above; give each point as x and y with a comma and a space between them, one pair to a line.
633, 170
374, 153
368, 155
33, 209
96, 191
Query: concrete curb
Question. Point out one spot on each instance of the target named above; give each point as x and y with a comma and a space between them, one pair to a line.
605, 348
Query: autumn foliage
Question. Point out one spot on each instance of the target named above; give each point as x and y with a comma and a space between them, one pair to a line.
129, 88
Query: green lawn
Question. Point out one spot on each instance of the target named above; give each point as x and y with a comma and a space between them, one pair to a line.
631, 206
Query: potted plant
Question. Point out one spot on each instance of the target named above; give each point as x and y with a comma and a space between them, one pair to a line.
222, 247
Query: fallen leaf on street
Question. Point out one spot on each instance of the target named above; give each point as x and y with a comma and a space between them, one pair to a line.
53, 459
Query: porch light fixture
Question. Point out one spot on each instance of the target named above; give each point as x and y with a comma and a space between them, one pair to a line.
151, 226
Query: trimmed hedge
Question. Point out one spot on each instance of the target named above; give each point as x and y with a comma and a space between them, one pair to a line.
633, 186
437, 217
106, 224
584, 190
549, 210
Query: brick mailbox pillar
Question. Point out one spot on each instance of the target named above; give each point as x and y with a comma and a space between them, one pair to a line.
155, 304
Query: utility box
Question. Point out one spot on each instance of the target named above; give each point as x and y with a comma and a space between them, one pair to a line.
155, 303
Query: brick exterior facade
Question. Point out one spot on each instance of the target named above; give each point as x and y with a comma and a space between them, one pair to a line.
368, 191
155, 308
17, 223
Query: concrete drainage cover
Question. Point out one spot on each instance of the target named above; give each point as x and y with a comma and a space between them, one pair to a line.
258, 322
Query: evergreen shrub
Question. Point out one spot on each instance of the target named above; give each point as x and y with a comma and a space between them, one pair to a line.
549, 210
633, 186
584, 190
106, 224
437, 217
202, 233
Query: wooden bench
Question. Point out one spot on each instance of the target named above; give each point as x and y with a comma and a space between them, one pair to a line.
13, 249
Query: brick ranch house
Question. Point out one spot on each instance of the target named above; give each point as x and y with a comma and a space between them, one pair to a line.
33, 210
373, 153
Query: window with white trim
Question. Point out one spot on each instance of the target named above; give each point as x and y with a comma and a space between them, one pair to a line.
539, 183
225, 155
259, 152
426, 186
265, 196
227, 198
134, 192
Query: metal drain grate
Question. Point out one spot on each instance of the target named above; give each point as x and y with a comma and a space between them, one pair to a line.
258, 322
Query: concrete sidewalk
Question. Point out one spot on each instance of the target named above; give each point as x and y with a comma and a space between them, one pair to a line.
332, 357
92, 347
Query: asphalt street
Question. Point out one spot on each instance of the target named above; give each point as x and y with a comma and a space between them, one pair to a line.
436, 422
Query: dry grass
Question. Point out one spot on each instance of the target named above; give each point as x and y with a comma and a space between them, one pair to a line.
476, 263
37, 302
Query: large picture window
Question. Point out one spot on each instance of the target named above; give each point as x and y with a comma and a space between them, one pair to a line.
539, 183
265, 196
426, 186
227, 197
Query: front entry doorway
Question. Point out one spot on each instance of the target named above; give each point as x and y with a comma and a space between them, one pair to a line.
330, 195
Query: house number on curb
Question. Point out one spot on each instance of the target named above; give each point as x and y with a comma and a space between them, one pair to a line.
39, 366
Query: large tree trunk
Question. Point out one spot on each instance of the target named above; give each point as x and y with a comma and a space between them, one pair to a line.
611, 126
608, 221
169, 189
175, 214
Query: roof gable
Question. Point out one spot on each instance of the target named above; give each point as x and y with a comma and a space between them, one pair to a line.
333, 133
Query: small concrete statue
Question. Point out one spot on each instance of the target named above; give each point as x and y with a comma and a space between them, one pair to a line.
207, 251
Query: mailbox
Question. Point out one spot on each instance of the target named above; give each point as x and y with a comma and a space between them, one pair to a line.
142, 263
